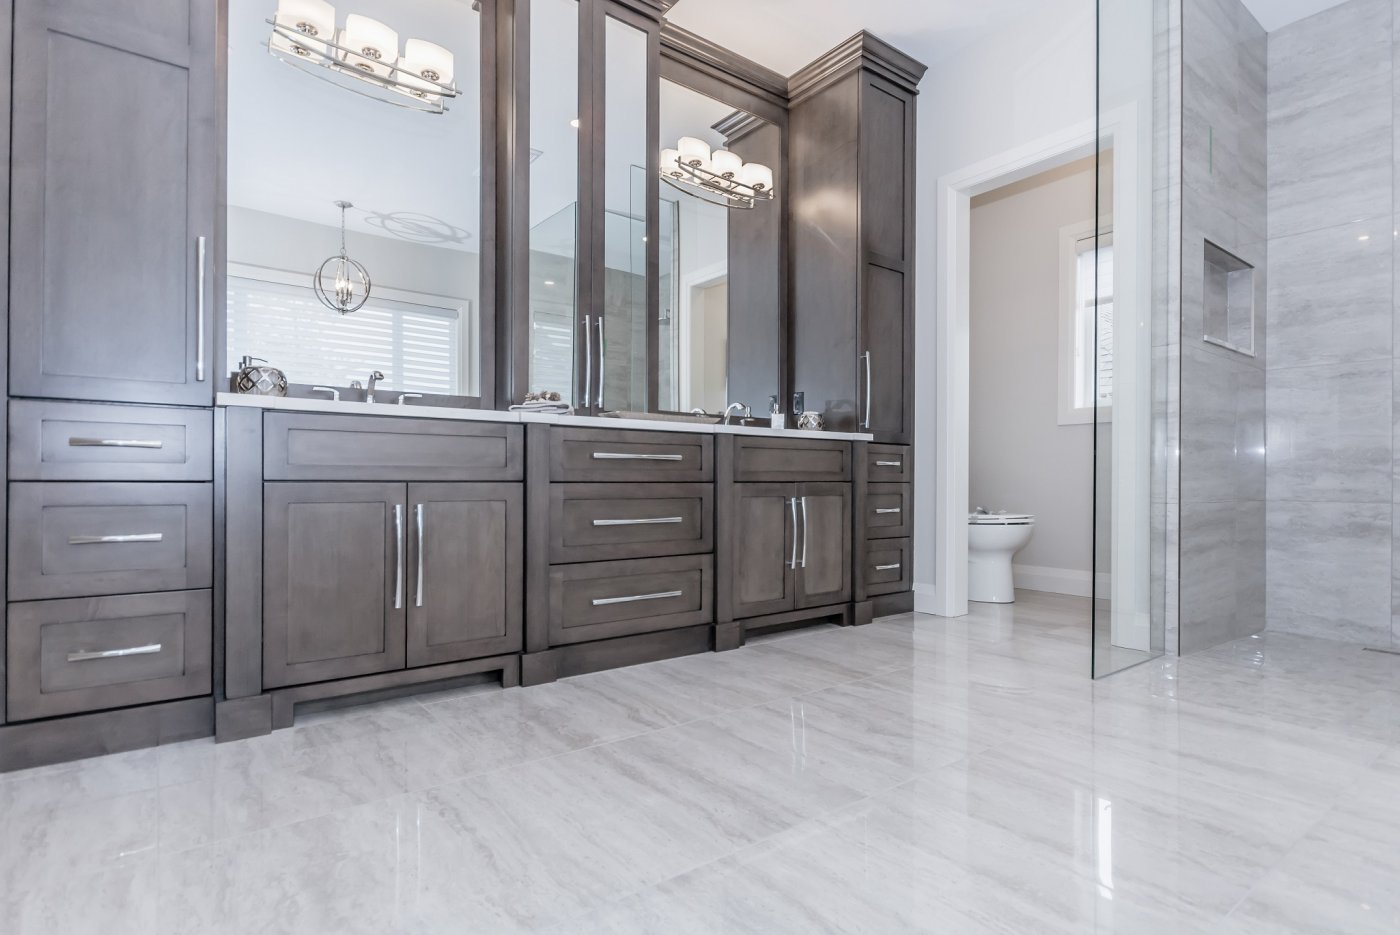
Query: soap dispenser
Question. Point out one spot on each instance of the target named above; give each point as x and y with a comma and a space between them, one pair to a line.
777, 418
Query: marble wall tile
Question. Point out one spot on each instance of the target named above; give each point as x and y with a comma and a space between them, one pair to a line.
1329, 432
1329, 570
1330, 132
1222, 430
1222, 572
1329, 295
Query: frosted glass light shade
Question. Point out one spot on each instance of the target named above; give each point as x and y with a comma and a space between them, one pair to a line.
669, 158
757, 176
723, 162
309, 18
376, 46
694, 150
425, 60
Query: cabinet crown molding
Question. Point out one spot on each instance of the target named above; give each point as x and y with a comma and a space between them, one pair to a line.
714, 59
863, 50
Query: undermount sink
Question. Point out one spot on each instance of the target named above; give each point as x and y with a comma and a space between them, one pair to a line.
708, 418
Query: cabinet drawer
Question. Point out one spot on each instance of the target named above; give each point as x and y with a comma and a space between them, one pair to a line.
891, 464
629, 455
601, 522
777, 460
71, 540
107, 652
889, 511
607, 599
88, 441
889, 567
314, 447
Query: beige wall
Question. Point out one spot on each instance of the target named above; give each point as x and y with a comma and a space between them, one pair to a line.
1021, 459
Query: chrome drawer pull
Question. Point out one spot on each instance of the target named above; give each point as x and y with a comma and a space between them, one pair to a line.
130, 537
631, 598
653, 521
894, 567
889, 509
889, 464
149, 649
398, 556
624, 456
114, 443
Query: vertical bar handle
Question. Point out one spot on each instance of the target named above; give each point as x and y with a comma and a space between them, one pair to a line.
587, 359
418, 591
398, 556
602, 363
792, 502
199, 260
866, 358
804, 533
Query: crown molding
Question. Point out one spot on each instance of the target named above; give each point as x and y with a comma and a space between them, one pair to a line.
863, 50
738, 125
718, 62
652, 9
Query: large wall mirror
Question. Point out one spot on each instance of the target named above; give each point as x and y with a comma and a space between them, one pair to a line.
355, 150
721, 279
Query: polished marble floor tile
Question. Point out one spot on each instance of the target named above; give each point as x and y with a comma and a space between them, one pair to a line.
915, 775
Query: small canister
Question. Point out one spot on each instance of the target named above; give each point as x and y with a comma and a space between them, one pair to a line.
255, 378
811, 421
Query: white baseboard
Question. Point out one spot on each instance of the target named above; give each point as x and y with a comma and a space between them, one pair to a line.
1071, 581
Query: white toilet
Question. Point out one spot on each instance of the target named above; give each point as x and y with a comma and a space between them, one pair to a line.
992, 540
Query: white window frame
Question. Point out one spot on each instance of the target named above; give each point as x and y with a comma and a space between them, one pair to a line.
1070, 239
470, 341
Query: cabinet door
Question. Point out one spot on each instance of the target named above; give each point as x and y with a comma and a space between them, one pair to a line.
113, 186
763, 548
465, 576
334, 563
824, 546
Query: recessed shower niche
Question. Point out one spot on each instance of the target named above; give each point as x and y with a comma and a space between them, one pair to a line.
1229, 301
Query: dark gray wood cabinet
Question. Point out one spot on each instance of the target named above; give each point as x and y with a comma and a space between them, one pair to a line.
466, 576
791, 547
852, 170
334, 598
113, 184
823, 572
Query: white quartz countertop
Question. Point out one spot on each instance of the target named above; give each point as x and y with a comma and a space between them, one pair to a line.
345, 407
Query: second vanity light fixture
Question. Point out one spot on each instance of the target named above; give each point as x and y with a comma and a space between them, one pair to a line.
304, 34
719, 177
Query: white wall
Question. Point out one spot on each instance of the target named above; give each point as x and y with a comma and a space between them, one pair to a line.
1021, 459
1030, 80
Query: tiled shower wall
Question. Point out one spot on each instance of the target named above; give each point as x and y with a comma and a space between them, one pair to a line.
1331, 311
1224, 199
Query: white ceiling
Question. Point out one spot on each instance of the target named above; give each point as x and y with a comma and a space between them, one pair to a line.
1272, 14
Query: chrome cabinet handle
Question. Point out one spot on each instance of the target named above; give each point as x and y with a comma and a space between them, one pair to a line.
893, 567
650, 521
889, 509
335, 393
86, 655
199, 251
602, 362
77, 442
792, 502
626, 456
398, 556
805, 531
889, 464
587, 359
866, 356
129, 537
632, 598
418, 591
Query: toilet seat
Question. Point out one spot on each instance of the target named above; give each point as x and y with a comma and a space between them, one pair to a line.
1000, 519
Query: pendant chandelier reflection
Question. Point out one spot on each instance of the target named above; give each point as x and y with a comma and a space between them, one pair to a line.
362, 56
720, 177
342, 284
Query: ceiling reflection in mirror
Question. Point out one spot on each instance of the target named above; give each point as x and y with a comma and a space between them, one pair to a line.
385, 116
720, 289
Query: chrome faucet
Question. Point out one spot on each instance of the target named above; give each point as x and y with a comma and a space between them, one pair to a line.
374, 377
743, 408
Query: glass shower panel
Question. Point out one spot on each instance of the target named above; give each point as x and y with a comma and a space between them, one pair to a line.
1133, 260
554, 236
624, 329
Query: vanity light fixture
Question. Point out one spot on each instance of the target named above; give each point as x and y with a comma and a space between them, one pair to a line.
365, 50
720, 177
342, 284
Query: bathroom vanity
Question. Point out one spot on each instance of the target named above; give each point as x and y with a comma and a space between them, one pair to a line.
184, 561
